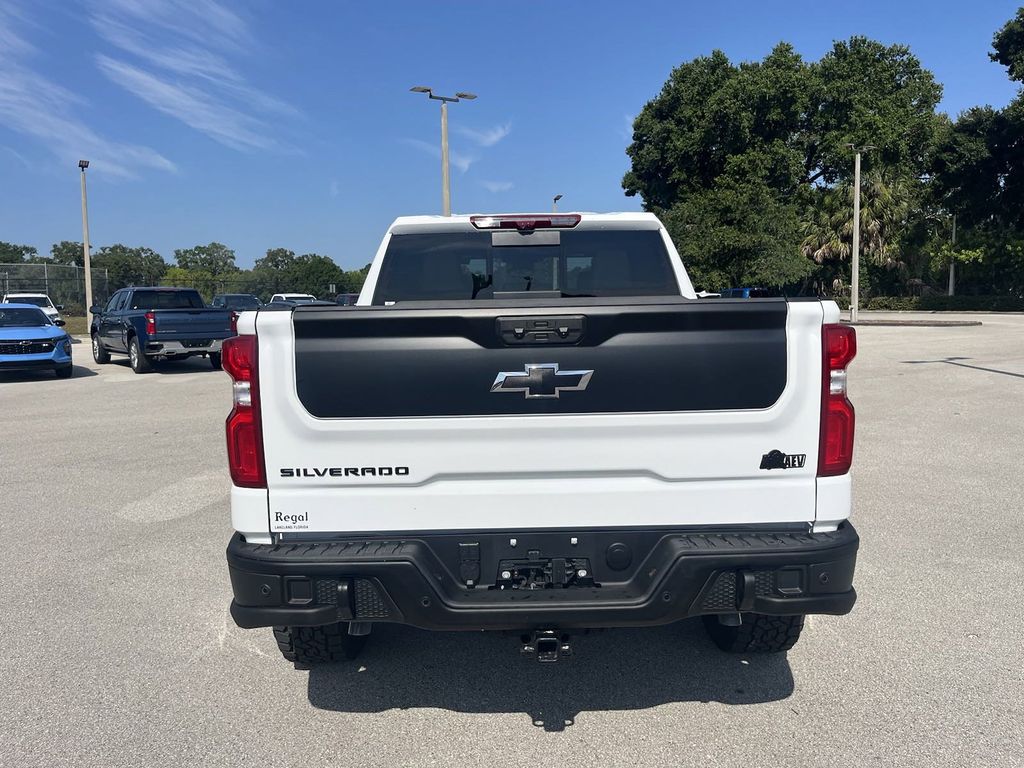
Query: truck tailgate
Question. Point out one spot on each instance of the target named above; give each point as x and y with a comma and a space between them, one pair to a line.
581, 414
192, 323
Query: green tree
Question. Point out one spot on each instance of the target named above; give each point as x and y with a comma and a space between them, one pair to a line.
277, 259
214, 258
885, 204
977, 174
737, 233
67, 252
739, 155
869, 93
1008, 46
130, 266
354, 279
797, 117
10, 253
200, 279
314, 273
281, 270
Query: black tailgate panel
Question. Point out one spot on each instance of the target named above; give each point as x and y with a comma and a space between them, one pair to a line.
657, 355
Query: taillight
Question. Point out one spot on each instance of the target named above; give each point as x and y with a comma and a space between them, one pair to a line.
535, 221
150, 323
835, 451
244, 430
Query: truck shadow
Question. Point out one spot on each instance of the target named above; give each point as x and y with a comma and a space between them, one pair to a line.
623, 669
172, 367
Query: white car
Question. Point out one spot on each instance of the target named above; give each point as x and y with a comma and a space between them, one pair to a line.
531, 423
293, 298
40, 300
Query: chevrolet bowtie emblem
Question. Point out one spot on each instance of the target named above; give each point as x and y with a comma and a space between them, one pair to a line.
541, 380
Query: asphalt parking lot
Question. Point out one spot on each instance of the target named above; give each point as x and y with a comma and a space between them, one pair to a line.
118, 649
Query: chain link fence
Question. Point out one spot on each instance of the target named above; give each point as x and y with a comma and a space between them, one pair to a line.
63, 283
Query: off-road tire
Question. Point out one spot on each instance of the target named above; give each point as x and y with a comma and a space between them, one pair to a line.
215, 360
136, 359
64, 372
306, 646
758, 633
99, 352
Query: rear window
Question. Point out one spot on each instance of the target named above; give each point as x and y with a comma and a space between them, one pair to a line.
38, 301
166, 300
242, 302
466, 265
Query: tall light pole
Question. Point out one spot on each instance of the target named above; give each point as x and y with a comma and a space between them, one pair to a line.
855, 266
554, 203
940, 218
446, 189
83, 164
952, 261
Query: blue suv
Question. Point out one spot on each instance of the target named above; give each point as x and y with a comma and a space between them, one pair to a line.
30, 341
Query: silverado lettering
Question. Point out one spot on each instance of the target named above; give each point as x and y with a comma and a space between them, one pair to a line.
344, 471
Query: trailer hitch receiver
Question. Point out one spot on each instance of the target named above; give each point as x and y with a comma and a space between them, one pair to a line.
546, 645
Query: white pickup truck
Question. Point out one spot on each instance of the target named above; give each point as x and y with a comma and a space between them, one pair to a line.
532, 423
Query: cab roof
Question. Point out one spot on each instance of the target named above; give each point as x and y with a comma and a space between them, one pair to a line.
462, 222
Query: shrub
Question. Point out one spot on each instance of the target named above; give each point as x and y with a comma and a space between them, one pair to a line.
937, 303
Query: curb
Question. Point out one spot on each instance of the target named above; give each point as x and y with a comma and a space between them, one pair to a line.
916, 323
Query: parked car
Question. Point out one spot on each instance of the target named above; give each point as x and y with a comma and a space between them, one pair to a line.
290, 305
40, 300
294, 298
158, 323
536, 426
31, 341
239, 302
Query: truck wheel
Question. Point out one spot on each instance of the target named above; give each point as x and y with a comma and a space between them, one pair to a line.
318, 645
215, 360
138, 361
99, 352
758, 633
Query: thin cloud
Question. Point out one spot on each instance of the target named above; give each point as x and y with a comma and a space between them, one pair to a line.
19, 157
461, 161
497, 186
11, 43
487, 137
335, 188
200, 21
48, 113
191, 105
173, 56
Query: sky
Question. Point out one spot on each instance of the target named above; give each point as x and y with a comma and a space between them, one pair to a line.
270, 124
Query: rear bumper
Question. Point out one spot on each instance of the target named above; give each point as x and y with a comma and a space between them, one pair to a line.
662, 576
183, 347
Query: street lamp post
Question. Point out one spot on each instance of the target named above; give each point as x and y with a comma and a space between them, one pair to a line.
554, 203
855, 266
83, 164
446, 190
952, 261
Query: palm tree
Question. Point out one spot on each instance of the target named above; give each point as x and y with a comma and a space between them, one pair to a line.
828, 234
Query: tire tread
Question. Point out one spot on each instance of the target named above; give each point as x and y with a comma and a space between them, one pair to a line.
758, 633
306, 646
